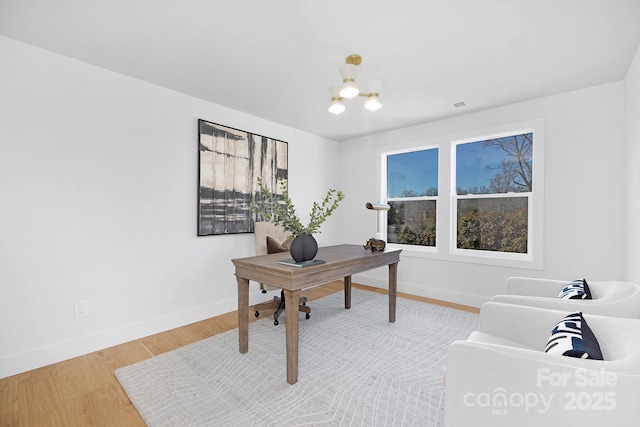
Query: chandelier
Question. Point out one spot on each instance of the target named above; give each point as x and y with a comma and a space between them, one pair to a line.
349, 89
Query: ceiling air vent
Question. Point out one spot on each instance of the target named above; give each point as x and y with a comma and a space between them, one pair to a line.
450, 107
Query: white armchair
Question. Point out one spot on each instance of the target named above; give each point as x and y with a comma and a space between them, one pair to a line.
610, 298
500, 376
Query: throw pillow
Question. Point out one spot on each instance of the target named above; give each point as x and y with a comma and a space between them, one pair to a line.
587, 291
274, 247
573, 337
578, 289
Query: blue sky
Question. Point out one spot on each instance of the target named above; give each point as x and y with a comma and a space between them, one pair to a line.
472, 159
417, 171
414, 171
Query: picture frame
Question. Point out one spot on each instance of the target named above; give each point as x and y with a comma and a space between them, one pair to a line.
229, 164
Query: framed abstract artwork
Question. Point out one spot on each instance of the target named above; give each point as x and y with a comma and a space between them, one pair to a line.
230, 162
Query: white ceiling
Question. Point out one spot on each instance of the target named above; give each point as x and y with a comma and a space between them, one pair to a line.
277, 59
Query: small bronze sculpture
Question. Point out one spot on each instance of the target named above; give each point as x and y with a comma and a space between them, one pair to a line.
375, 245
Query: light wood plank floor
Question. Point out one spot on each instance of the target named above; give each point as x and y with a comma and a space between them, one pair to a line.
84, 391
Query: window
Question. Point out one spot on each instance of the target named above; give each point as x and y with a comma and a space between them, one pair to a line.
494, 184
472, 197
412, 191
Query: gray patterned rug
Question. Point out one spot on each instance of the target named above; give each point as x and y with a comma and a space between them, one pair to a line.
355, 369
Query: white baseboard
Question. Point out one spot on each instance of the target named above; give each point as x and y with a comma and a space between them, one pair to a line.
424, 291
17, 363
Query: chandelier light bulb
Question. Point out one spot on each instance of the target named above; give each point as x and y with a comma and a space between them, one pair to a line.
336, 107
372, 103
349, 88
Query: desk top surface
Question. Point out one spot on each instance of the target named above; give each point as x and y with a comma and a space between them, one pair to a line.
340, 261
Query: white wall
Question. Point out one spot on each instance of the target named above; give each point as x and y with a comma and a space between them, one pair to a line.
98, 190
632, 127
584, 194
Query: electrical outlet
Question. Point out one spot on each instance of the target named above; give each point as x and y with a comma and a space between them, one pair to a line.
82, 309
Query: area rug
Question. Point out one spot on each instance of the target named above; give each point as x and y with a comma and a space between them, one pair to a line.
355, 369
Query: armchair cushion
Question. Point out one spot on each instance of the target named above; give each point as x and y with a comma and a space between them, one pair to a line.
572, 337
578, 289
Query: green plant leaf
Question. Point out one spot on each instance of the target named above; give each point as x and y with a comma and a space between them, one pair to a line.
281, 211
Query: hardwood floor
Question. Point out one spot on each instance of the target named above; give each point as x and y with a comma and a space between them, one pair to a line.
83, 391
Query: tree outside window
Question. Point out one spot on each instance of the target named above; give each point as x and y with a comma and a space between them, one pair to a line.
412, 191
494, 185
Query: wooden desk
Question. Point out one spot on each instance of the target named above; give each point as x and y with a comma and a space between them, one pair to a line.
342, 261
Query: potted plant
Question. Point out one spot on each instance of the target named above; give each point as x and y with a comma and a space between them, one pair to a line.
281, 211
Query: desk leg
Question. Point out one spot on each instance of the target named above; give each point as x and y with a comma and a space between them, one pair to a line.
243, 313
393, 289
291, 301
347, 292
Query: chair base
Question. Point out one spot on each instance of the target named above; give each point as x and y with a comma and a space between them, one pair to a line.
278, 305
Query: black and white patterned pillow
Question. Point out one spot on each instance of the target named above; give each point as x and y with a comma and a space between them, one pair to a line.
573, 337
578, 289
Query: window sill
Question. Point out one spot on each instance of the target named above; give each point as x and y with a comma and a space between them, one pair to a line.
522, 261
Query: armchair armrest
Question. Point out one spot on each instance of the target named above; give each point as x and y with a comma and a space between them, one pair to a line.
565, 305
593, 306
526, 325
535, 287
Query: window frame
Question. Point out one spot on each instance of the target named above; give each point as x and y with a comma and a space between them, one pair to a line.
446, 203
383, 196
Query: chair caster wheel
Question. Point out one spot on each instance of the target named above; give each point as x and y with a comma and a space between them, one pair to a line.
308, 316
276, 323
257, 314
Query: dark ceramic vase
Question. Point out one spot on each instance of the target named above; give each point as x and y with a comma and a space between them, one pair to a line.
303, 248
